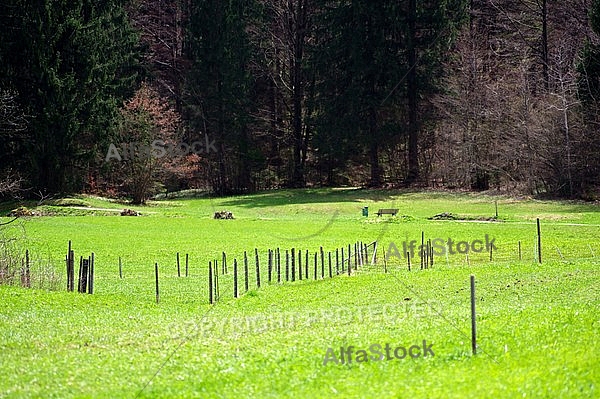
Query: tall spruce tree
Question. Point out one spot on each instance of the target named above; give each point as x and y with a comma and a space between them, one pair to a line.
71, 63
219, 87
378, 62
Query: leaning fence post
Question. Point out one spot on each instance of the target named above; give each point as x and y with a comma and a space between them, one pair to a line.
374, 258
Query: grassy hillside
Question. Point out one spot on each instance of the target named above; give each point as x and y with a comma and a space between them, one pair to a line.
537, 324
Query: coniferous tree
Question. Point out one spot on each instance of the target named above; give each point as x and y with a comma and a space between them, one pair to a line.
219, 88
71, 64
378, 63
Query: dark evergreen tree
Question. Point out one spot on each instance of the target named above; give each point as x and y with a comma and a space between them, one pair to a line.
378, 62
71, 64
219, 87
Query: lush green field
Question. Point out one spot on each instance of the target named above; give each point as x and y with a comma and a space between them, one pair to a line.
538, 325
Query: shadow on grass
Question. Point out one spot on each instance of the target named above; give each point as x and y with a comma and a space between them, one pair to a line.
310, 196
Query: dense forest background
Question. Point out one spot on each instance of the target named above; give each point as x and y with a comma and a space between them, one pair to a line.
131, 98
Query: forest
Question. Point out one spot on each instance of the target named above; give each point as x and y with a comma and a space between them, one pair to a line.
140, 97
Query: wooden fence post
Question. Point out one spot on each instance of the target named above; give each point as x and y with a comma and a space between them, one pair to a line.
322, 263
80, 280
270, 264
287, 265
306, 266
473, 320
539, 240
245, 272
91, 275
27, 270
293, 254
421, 249
210, 283
70, 269
156, 278
278, 262
257, 267
235, 278
299, 251
349, 260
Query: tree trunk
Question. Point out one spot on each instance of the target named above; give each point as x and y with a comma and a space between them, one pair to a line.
298, 34
545, 43
413, 106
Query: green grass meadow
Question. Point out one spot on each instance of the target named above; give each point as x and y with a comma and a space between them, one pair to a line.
538, 325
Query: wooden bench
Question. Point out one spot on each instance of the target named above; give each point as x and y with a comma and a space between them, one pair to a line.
392, 212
